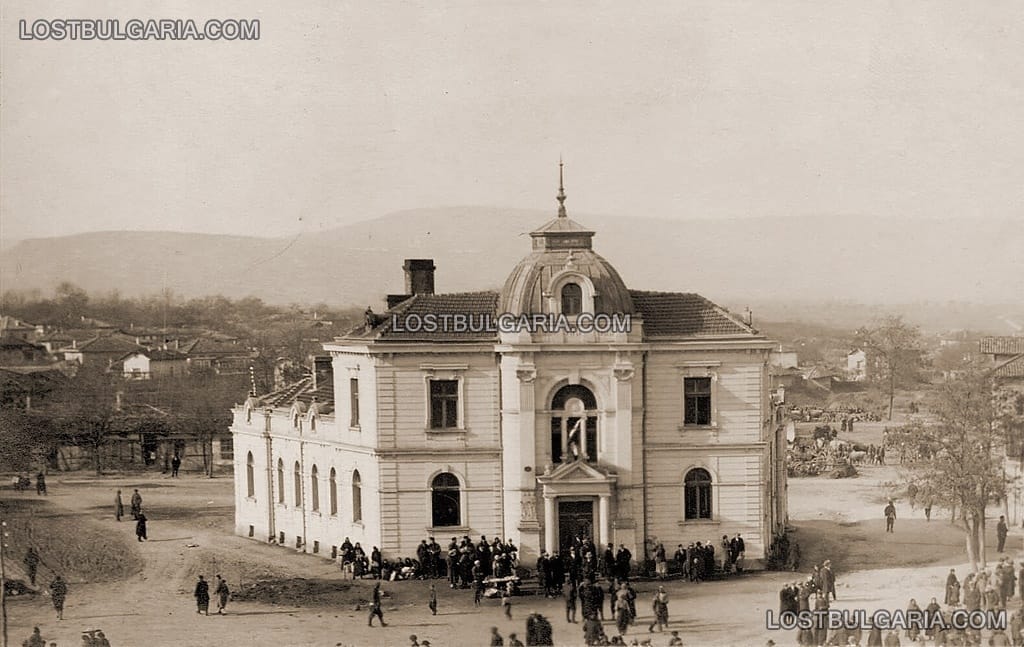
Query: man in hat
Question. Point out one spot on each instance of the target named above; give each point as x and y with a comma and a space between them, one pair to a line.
890, 516
828, 579
375, 607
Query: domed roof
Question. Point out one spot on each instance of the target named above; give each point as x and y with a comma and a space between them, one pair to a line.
562, 252
527, 288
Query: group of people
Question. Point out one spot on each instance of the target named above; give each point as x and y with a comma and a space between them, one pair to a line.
90, 638
23, 482
202, 595
141, 531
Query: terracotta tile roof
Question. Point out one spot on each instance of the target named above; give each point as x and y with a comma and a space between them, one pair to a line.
1002, 345
1012, 368
475, 304
109, 344
207, 347
677, 313
302, 391
10, 342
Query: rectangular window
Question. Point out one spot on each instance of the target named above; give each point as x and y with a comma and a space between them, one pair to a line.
227, 448
354, 402
444, 404
697, 394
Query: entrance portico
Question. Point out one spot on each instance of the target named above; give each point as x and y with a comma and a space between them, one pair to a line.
570, 493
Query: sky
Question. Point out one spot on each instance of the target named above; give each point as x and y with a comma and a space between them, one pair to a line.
346, 111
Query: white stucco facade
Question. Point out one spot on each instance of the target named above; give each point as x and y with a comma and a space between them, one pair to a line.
473, 434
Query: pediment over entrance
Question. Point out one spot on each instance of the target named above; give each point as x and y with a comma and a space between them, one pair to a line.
577, 471
578, 478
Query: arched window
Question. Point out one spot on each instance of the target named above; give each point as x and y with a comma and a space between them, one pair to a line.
248, 415
334, 492
357, 497
250, 477
314, 489
573, 424
697, 494
298, 484
295, 421
445, 500
312, 422
572, 299
280, 481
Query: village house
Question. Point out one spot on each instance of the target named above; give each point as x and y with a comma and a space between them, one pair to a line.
661, 429
857, 365
156, 363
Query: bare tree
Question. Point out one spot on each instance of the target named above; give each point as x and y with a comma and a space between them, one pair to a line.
959, 456
894, 352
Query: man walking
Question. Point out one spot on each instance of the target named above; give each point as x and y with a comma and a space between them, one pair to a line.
58, 593
136, 504
175, 466
1001, 532
202, 596
375, 608
660, 607
31, 564
222, 591
140, 528
40, 483
890, 516
118, 506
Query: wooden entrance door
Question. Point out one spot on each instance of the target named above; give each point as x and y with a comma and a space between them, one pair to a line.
575, 519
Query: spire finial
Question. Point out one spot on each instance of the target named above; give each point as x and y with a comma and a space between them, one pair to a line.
561, 191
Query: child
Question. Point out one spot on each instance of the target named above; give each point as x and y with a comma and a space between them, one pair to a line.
432, 601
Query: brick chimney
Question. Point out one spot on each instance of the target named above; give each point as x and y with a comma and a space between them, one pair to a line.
419, 279
419, 275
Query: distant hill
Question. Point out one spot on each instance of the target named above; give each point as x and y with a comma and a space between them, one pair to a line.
766, 260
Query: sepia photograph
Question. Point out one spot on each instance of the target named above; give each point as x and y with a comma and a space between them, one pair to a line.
508, 324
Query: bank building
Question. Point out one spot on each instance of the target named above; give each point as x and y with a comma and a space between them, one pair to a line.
662, 430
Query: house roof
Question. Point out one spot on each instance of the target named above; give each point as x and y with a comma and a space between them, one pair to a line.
304, 393
10, 342
1013, 367
477, 305
10, 323
664, 314
207, 347
1002, 345
108, 344
679, 313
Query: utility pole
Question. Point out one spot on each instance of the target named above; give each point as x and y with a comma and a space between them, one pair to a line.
3, 578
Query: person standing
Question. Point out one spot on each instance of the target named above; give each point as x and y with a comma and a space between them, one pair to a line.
890, 516
58, 593
136, 504
496, 640
660, 608
375, 607
660, 562
432, 600
118, 506
828, 579
40, 483
175, 466
1001, 532
952, 588
223, 592
31, 564
202, 596
35, 640
506, 603
570, 605
140, 527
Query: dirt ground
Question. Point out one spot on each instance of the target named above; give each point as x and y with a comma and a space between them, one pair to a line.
150, 603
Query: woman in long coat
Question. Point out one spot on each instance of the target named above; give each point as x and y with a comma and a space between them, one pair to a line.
952, 588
